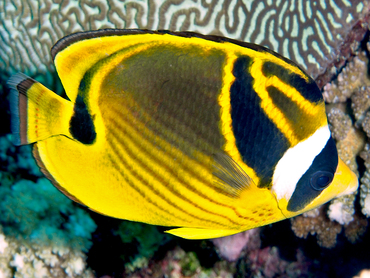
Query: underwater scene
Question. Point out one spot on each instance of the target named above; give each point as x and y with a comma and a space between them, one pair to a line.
94, 183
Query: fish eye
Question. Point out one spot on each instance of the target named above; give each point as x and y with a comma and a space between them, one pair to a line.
321, 179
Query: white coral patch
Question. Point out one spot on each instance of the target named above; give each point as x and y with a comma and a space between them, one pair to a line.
75, 266
18, 261
366, 206
3, 244
338, 213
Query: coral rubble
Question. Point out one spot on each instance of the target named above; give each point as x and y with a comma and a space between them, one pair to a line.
19, 258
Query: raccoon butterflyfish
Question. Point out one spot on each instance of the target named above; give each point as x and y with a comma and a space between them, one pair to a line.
206, 134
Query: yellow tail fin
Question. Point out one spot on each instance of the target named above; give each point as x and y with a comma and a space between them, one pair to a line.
36, 112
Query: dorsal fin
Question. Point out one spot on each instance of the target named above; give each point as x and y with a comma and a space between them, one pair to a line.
79, 36
75, 54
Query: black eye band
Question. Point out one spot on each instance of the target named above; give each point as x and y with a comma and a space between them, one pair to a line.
318, 176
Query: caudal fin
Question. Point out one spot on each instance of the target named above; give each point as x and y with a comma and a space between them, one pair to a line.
36, 112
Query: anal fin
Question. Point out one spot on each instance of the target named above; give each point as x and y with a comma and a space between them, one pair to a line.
199, 233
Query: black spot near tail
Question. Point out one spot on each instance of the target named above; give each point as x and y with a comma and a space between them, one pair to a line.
81, 124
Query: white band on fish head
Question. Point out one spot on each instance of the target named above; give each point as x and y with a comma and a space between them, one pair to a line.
296, 161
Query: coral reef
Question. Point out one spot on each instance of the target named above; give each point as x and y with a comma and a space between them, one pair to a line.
147, 239
40, 213
231, 247
349, 98
17, 160
352, 78
342, 209
350, 142
268, 263
361, 102
365, 182
264, 262
317, 223
20, 259
178, 263
355, 228
43, 234
318, 36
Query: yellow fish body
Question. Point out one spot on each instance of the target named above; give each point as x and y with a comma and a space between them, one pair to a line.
204, 133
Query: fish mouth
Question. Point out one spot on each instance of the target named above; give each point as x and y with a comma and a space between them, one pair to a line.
345, 182
344, 175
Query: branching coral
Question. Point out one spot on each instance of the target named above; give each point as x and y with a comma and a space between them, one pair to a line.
355, 228
340, 123
350, 142
316, 222
351, 86
361, 103
342, 209
20, 258
353, 83
351, 79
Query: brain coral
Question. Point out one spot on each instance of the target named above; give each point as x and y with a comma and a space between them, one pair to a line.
315, 34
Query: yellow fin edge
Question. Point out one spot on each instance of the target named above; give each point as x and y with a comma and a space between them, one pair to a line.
198, 233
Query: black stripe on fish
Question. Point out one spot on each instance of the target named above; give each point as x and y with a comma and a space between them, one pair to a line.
308, 89
260, 143
81, 124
